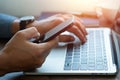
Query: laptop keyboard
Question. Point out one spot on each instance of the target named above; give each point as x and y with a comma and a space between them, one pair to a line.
89, 56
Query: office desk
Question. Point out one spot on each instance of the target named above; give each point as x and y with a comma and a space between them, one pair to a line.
21, 76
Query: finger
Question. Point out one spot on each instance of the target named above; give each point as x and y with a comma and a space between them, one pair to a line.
81, 26
42, 49
29, 33
77, 22
57, 21
52, 22
46, 46
50, 44
66, 38
118, 22
66, 16
78, 33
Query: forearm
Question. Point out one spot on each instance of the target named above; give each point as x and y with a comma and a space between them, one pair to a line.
15, 26
6, 23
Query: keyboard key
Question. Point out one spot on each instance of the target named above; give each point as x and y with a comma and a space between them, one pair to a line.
91, 61
75, 66
99, 67
76, 59
69, 50
67, 66
77, 53
91, 67
83, 62
83, 67
68, 60
83, 59
76, 56
89, 56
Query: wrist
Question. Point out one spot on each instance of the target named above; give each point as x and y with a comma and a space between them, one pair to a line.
15, 26
22, 23
33, 24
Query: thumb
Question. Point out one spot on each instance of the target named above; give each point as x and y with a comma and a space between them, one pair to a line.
66, 38
30, 33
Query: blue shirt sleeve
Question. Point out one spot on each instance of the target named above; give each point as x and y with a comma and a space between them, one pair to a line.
5, 25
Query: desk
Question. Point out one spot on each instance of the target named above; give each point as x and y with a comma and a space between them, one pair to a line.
21, 76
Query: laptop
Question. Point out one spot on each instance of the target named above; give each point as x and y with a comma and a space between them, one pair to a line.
98, 56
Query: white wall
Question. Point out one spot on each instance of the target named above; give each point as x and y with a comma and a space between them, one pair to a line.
35, 7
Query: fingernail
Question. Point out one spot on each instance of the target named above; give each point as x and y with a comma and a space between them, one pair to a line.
86, 32
84, 41
86, 38
38, 34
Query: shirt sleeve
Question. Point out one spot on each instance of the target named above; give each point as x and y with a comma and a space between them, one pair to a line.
6, 25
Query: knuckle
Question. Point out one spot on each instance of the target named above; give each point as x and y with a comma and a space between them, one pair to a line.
75, 27
33, 28
39, 52
59, 19
20, 33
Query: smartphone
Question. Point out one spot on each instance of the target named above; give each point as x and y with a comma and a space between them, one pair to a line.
55, 31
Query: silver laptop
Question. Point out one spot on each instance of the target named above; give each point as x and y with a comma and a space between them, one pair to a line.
97, 56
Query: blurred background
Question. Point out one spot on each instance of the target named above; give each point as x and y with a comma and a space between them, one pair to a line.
35, 7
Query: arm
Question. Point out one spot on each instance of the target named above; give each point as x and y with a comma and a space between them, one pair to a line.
10, 25
19, 54
6, 23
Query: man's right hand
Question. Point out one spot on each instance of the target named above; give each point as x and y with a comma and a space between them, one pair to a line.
19, 54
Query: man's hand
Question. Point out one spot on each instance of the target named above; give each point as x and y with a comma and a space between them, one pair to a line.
19, 54
77, 28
